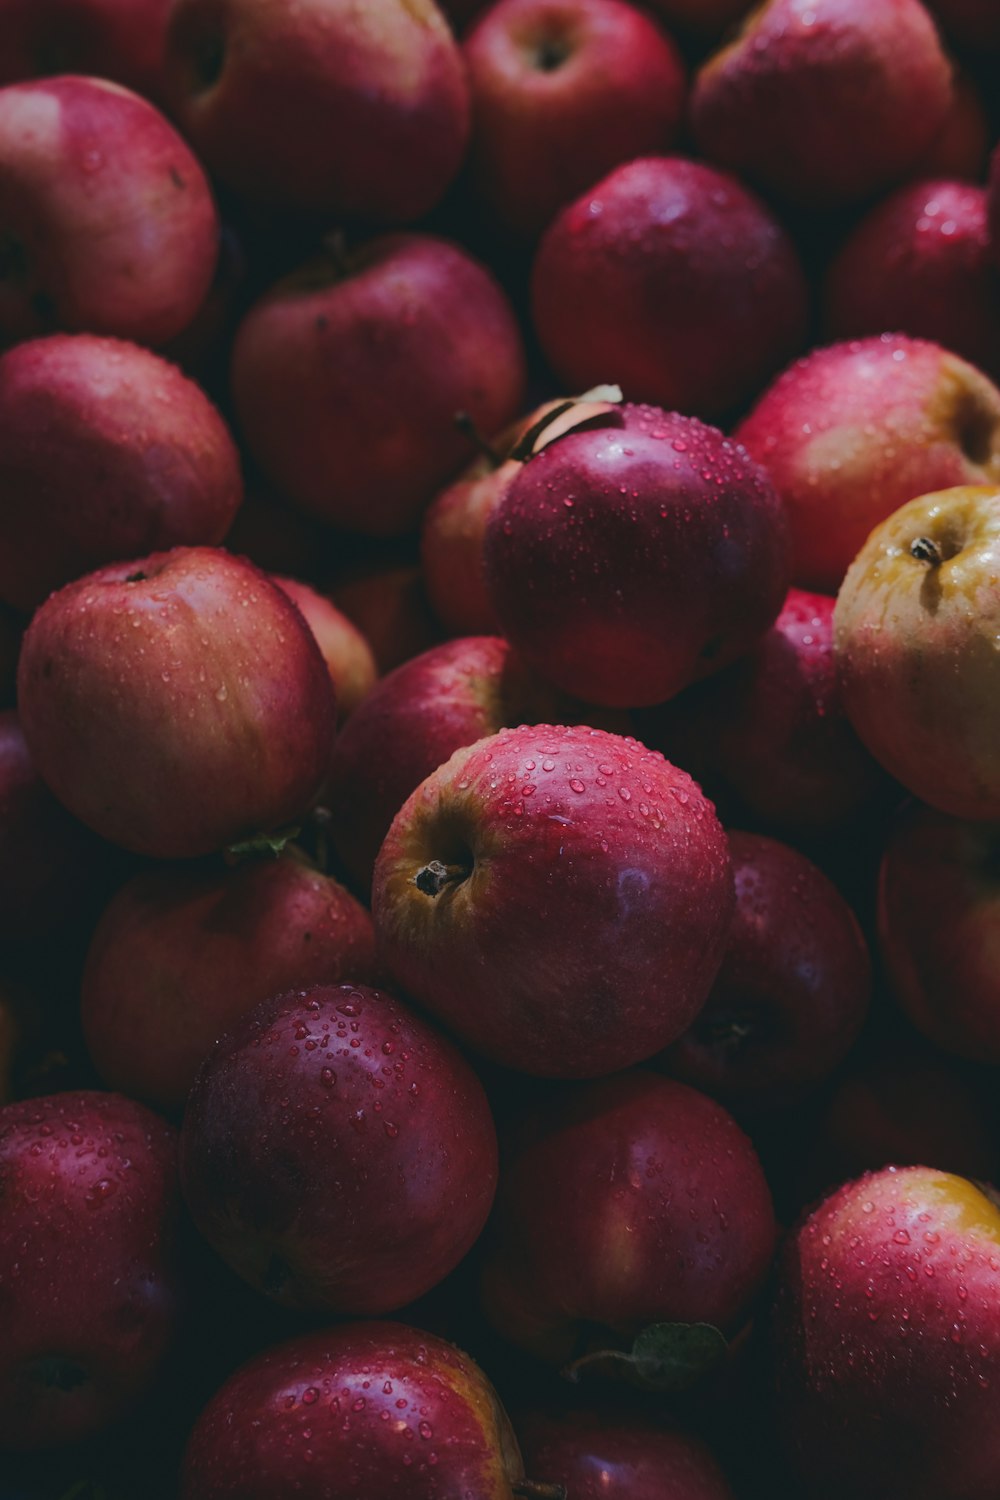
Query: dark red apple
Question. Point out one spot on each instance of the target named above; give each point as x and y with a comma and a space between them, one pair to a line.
602, 1456
270, 95
388, 603
623, 563
792, 994
559, 897
181, 955
962, 148
97, 239
367, 1410
631, 1201
887, 1340
177, 703
562, 92
337, 1151
348, 656
827, 102
348, 375
118, 39
106, 452
90, 1289
673, 279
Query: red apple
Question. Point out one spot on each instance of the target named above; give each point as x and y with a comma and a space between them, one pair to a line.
337, 1152
603, 1456
366, 1410
106, 452
559, 897
177, 703
348, 656
328, 106
348, 376
625, 562
631, 1201
939, 929
181, 955
388, 604
414, 719
118, 39
887, 1340
920, 263
673, 279
769, 736
915, 631
792, 994
97, 239
851, 432
824, 101
278, 538
961, 150
562, 92
89, 1278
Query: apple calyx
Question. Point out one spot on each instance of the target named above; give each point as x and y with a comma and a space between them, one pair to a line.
665, 1357
599, 409
434, 877
926, 550
532, 1490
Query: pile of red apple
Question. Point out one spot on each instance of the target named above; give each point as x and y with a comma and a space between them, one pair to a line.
499, 750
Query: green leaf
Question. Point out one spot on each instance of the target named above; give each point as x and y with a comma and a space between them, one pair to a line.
665, 1357
262, 845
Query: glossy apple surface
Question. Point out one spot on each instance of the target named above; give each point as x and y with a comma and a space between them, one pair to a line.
598, 1456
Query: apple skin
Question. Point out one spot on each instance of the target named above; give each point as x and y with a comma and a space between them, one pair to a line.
106, 451
601, 1456
664, 502
348, 656
584, 906
268, 95
388, 604
769, 737
177, 703
824, 103
94, 1175
414, 719
118, 39
916, 648
562, 92
340, 1408
347, 378
962, 149
939, 929
629, 1201
180, 955
920, 262
792, 994
338, 1152
888, 1342
99, 240
673, 279
852, 431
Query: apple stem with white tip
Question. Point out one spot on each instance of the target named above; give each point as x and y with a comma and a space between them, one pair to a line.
925, 550
433, 877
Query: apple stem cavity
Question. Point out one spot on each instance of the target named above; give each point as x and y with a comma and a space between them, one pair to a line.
466, 425
926, 550
434, 877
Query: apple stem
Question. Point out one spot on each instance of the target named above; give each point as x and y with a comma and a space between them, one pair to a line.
924, 550
466, 425
532, 1490
434, 876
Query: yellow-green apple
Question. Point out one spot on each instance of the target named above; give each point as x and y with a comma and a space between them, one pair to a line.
559, 897
824, 101
348, 656
628, 1201
90, 1287
118, 39
177, 703
348, 375
106, 451
602, 1455
938, 920
887, 1340
792, 994
364, 1410
626, 561
920, 263
388, 603
673, 279
414, 719
337, 1151
768, 737
96, 239
852, 431
180, 955
915, 633
269, 95
562, 92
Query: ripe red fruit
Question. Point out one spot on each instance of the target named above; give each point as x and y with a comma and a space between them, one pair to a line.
600, 1456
